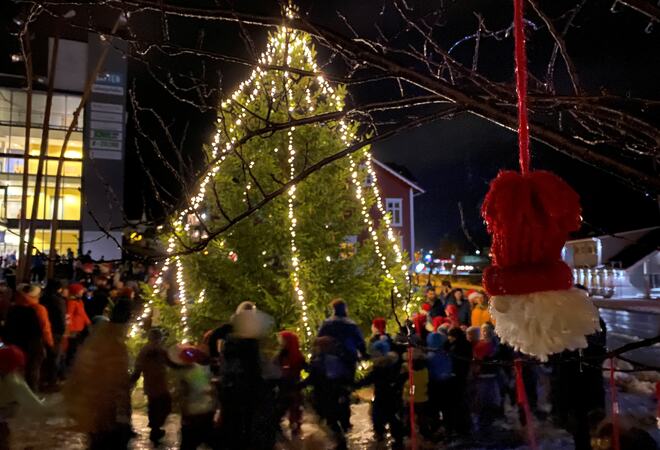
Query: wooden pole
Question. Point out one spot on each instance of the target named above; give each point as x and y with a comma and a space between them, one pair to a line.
42, 156
60, 163
26, 47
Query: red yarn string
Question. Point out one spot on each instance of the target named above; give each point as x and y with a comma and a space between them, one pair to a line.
523, 402
411, 387
521, 84
616, 444
657, 398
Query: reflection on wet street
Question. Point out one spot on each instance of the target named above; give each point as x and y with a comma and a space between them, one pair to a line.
624, 327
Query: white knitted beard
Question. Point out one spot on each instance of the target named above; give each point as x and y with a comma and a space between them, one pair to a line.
543, 323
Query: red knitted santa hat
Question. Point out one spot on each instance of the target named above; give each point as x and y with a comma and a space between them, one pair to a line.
529, 217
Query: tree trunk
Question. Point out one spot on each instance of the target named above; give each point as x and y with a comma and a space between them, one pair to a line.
42, 156
23, 269
60, 163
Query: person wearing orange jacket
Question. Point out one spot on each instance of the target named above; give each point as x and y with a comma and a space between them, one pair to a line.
76, 319
480, 313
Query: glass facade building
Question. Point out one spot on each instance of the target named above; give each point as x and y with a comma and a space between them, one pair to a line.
12, 149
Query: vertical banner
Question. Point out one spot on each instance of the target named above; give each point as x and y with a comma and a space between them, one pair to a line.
105, 136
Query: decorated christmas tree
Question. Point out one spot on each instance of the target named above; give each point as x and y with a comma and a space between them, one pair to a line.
327, 237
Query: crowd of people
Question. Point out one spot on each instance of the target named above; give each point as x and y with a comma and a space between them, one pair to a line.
441, 375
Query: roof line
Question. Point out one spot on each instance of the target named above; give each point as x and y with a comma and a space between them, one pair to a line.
399, 176
619, 235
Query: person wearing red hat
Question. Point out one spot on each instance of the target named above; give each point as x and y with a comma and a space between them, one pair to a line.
196, 395
452, 316
76, 319
291, 361
30, 335
16, 397
480, 313
379, 331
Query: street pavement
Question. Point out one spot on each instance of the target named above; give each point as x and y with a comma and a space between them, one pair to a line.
626, 326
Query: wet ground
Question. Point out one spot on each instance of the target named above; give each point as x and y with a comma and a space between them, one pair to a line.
55, 434
624, 327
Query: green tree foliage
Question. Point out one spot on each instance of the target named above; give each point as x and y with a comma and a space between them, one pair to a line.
253, 261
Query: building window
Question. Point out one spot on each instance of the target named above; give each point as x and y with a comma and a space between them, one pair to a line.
393, 206
12, 167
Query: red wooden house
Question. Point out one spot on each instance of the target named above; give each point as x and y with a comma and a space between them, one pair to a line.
398, 194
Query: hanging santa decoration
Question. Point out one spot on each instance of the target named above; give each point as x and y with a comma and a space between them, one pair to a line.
529, 216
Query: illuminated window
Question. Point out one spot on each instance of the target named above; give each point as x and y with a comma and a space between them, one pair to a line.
65, 239
12, 167
393, 206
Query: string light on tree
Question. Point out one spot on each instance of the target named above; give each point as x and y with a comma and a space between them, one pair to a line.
288, 47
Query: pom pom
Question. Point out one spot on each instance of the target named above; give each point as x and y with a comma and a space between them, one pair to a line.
543, 323
529, 218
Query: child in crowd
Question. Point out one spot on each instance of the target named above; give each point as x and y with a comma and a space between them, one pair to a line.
291, 362
472, 334
77, 321
151, 363
378, 331
16, 398
328, 376
196, 396
440, 375
387, 379
418, 392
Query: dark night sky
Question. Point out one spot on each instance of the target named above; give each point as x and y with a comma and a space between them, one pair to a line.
454, 160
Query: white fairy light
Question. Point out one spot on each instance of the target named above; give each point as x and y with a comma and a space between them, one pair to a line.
295, 263
182, 299
247, 93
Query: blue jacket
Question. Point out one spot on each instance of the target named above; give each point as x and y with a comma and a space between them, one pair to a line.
347, 335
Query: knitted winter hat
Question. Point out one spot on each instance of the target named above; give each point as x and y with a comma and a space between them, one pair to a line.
380, 347
436, 341
473, 294
530, 217
426, 307
12, 359
437, 321
29, 290
76, 289
379, 324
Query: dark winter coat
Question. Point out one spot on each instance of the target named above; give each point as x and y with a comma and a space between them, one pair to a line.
464, 310
438, 307
23, 329
438, 360
347, 336
461, 356
96, 305
386, 377
55, 303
